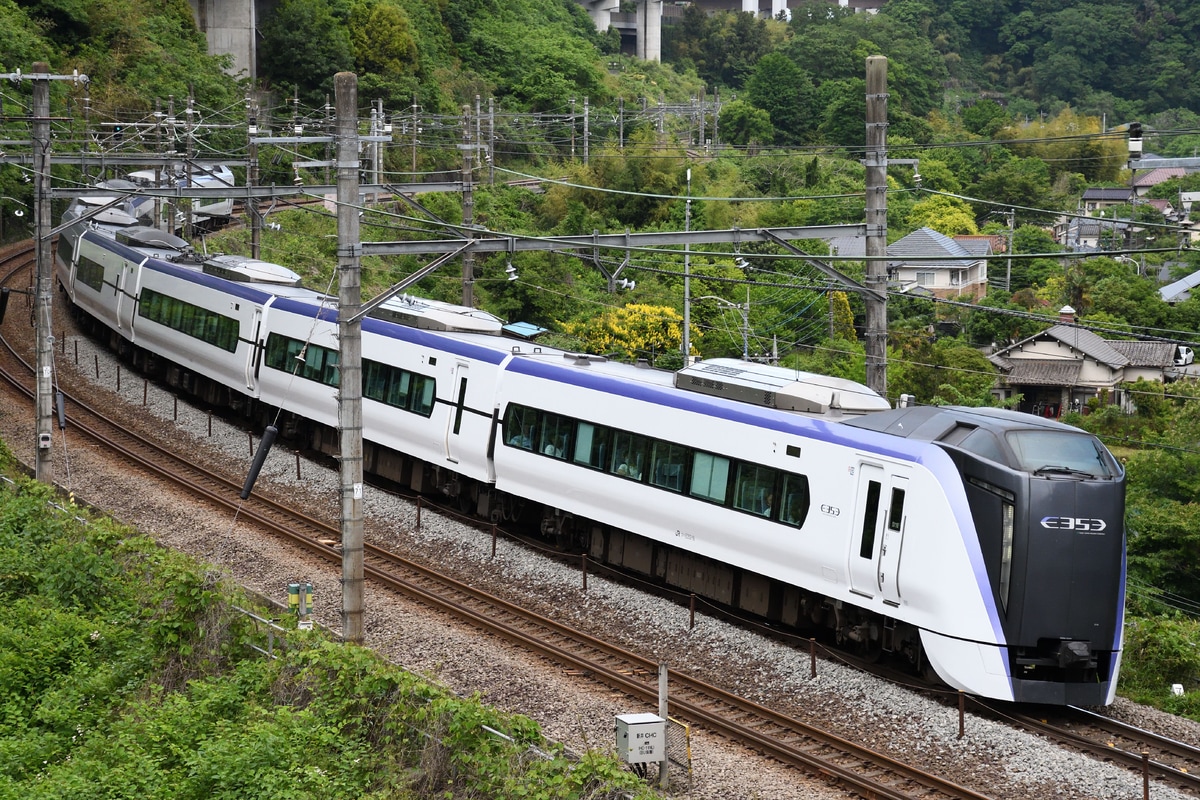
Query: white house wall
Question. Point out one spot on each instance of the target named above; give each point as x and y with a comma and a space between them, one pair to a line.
1091, 373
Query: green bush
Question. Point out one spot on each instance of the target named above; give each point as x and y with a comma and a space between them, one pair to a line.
125, 672
1161, 651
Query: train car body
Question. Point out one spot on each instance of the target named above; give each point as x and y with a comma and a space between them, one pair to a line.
208, 213
985, 545
443, 385
154, 295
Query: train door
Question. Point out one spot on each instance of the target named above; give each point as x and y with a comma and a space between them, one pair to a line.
455, 419
892, 541
70, 260
252, 350
128, 280
864, 537
877, 539
119, 305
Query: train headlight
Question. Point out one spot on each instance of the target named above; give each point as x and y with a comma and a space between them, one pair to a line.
1008, 515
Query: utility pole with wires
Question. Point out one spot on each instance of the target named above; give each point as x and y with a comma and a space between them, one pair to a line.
468, 211
876, 201
44, 288
350, 354
1012, 218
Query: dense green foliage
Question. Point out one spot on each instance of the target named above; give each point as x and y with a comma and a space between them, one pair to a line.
134, 51
126, 672
1116, 58
437, 54
1127, 59
1163, 464
1161, 652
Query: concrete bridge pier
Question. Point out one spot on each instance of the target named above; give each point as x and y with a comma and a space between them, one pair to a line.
777, 7
643, 27
649, 30
230, 27
601, 12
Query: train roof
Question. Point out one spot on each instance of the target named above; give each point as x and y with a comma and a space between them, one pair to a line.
196, 174
434, 315
146, 236
121, 215
1013, 438
937, 423
250, 270
780, 387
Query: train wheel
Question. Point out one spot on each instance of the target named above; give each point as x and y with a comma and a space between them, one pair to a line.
465, 499
512, 507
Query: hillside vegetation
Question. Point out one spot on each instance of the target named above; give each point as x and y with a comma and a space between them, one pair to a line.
127, 671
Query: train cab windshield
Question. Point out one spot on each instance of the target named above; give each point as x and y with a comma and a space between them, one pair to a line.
1061, 452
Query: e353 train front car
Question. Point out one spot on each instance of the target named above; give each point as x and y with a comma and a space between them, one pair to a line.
1048, 503
1063, 578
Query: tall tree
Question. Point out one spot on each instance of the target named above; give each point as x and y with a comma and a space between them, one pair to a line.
742, 124
304, 45
786, 93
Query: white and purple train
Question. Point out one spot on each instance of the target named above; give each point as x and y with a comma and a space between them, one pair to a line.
983, 544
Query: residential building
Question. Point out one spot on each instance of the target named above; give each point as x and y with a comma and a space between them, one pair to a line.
1146, 179
1083, 234
928, 262
1098, 197
1065, 366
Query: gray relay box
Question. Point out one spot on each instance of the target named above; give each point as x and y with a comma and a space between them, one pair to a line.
641, 738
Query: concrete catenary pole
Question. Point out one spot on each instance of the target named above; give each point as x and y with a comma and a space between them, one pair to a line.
43, 295
252, 176
468, 211
876, 187
350, 354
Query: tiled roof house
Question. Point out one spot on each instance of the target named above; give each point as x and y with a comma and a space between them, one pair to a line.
931, 262
1065, 366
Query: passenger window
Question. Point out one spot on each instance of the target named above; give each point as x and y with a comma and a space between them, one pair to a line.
896, 514
793, 510
555, 436
866, 548
592, 445
666, 465
755, 490
629, 455
519, 425
424, 388
398, 396
710, 477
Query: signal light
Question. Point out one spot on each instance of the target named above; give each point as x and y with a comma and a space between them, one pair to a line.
1135, 140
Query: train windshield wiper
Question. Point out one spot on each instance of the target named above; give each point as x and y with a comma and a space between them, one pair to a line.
1058, 469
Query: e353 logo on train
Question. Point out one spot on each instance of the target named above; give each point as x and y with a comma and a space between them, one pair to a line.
1079, 524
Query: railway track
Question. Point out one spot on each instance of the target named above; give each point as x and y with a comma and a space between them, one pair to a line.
1167, 761
783, 738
